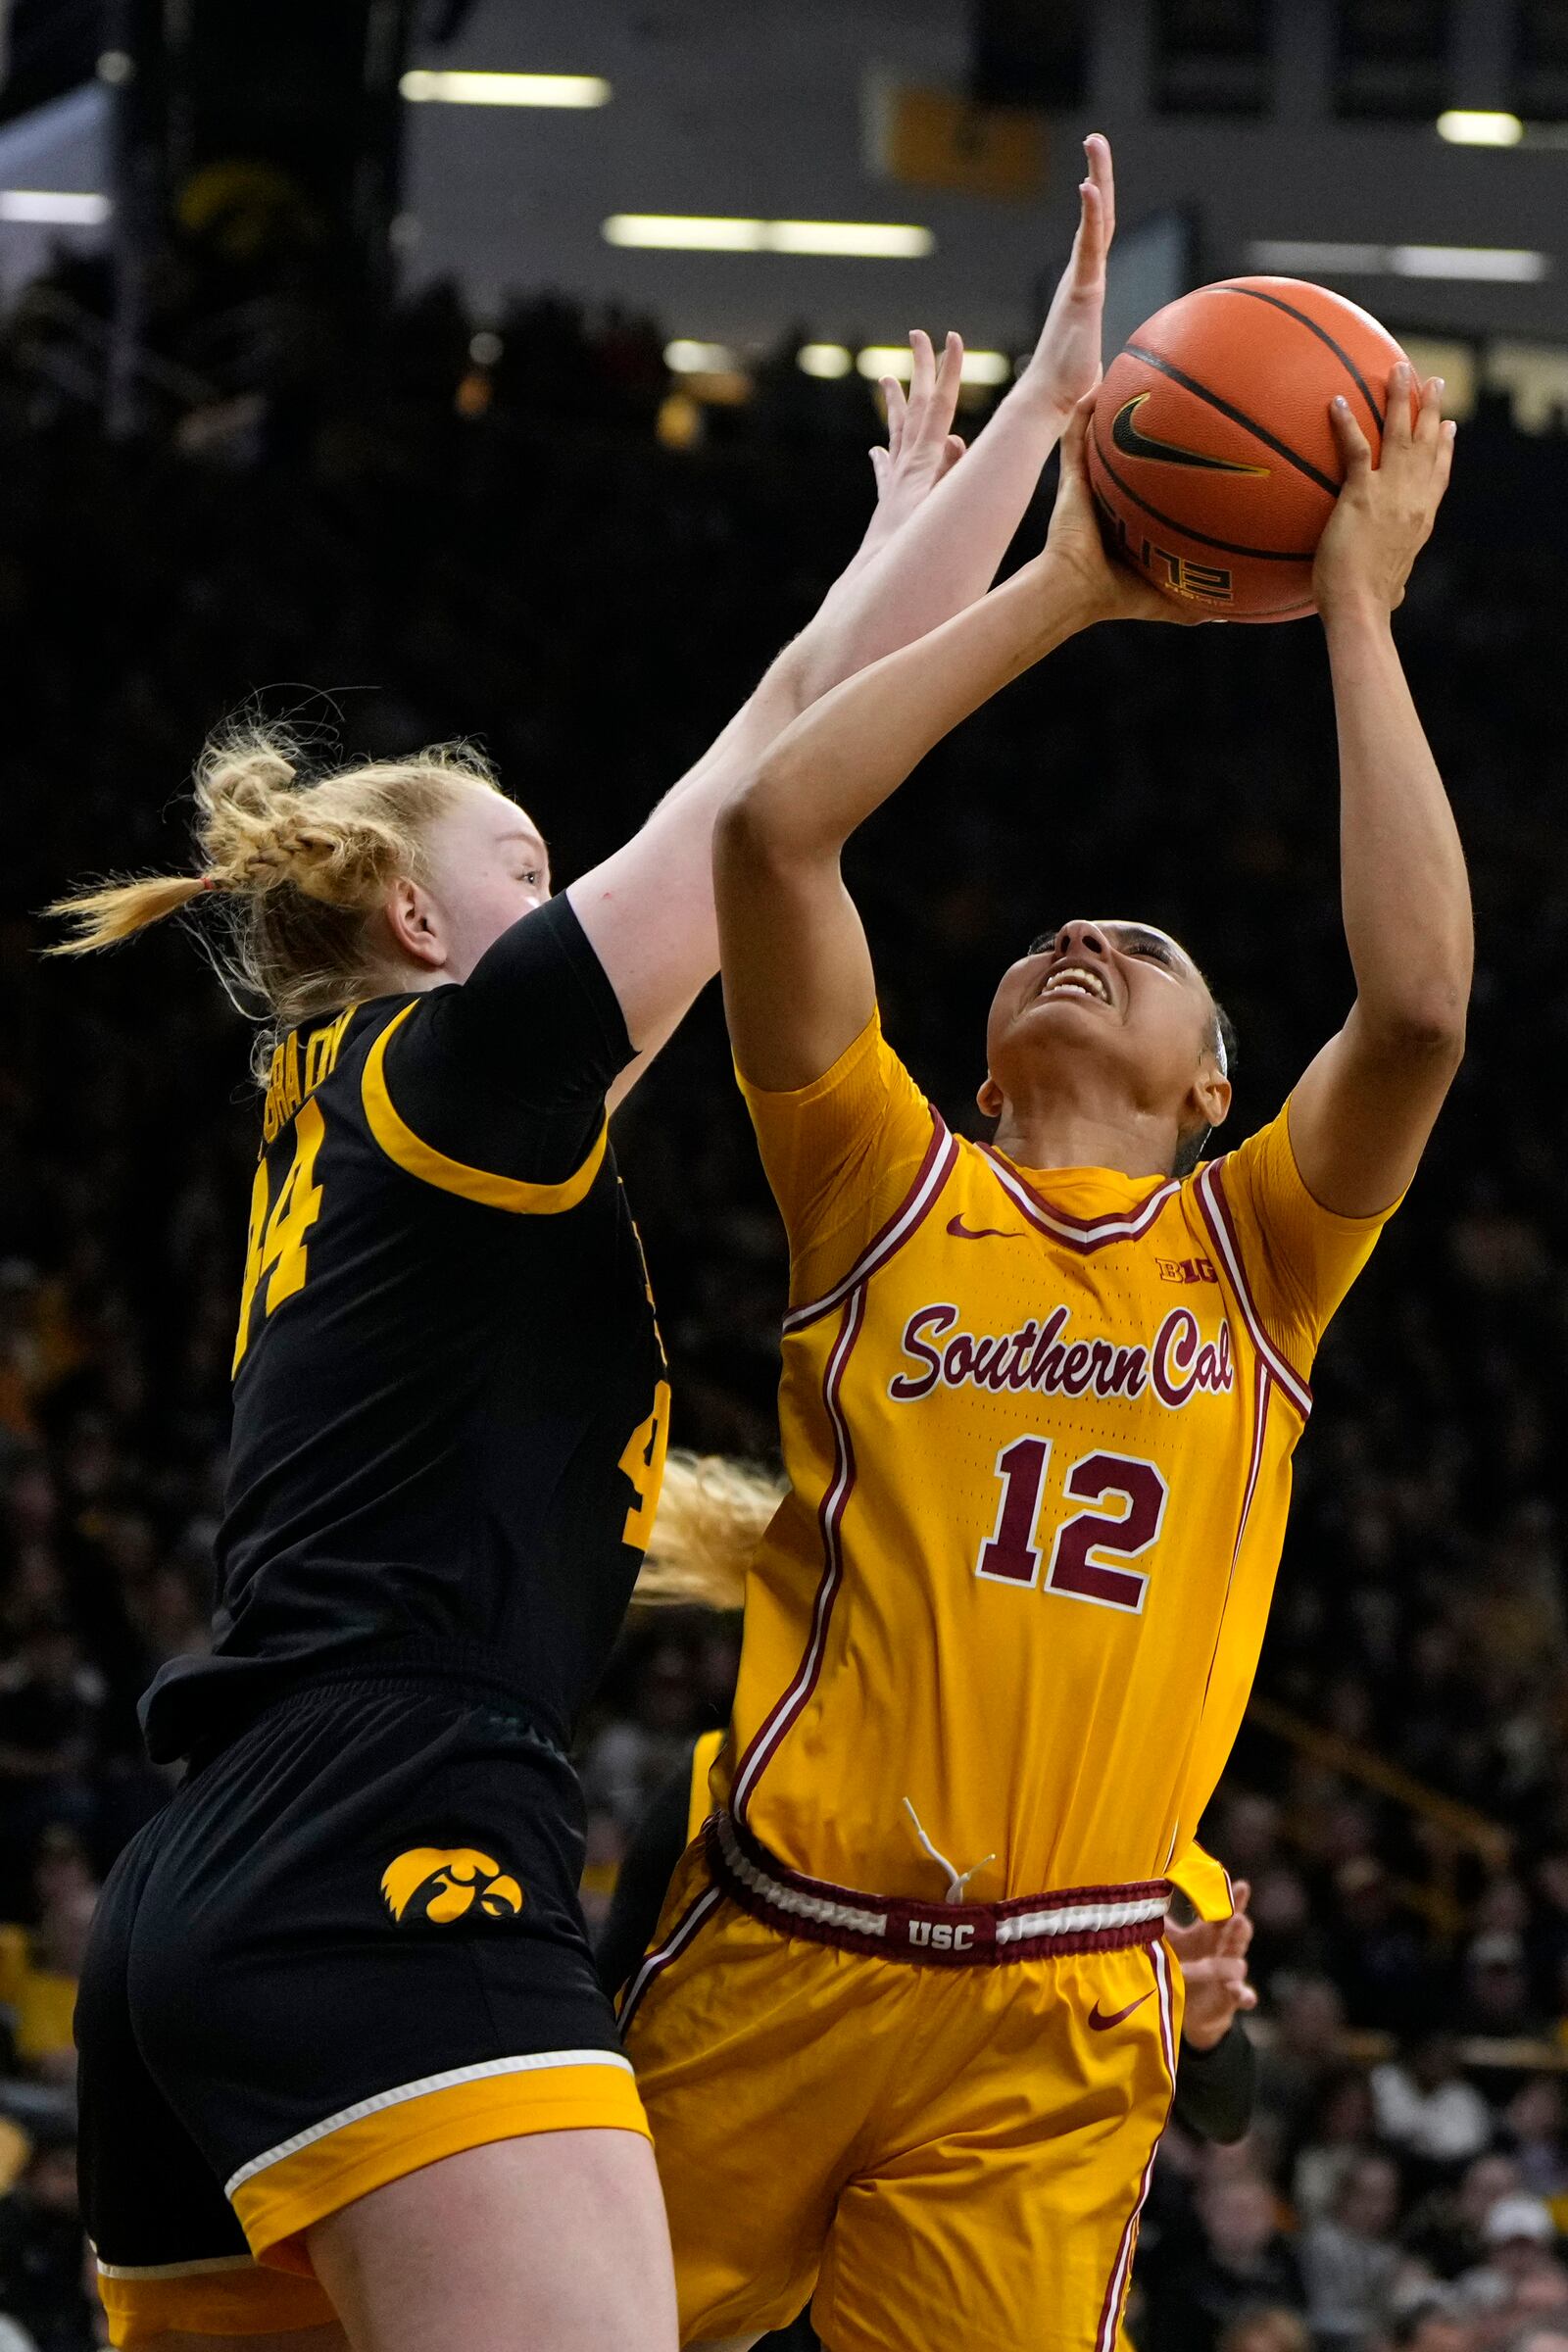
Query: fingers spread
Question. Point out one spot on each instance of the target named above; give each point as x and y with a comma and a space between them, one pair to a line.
1429, 419
1397, 430
923, 375
1354, 446
948, 377
1442, 464
1096, 147
892, 394
1075, 436
1090, 243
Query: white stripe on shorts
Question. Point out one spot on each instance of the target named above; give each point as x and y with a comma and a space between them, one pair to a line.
174, 2270
416, 2091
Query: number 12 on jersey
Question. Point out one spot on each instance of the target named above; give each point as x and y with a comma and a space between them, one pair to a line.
1085, 1545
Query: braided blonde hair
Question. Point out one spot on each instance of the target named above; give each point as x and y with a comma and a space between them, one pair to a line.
301, 863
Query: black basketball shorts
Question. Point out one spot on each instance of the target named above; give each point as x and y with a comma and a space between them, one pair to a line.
348, 1947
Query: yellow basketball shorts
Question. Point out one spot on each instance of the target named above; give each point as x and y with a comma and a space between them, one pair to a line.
930, 2156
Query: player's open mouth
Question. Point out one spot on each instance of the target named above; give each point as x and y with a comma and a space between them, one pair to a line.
1076, 980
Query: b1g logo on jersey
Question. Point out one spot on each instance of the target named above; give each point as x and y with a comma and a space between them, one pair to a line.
441, 1884
1187, 1269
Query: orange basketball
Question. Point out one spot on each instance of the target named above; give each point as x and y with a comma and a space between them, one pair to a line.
1210, 450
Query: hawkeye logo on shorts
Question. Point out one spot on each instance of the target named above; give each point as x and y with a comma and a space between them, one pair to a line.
441, 1884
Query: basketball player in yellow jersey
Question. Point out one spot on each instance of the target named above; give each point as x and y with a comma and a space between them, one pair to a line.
907, 2032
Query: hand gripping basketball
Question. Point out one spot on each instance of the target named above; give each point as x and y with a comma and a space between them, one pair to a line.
1111, 591
1384, 513
1212, 455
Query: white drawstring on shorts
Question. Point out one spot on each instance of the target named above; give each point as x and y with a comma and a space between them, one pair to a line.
958, 1879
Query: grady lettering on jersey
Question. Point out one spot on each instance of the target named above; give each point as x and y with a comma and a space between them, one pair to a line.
1037, 1504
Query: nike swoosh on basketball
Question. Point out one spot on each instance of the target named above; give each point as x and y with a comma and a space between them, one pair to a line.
961, 1232
1134, 443
1100, 2024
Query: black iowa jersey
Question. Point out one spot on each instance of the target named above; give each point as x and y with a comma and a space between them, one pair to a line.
450, 1408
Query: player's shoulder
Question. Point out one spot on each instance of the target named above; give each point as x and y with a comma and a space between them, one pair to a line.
1255, 1180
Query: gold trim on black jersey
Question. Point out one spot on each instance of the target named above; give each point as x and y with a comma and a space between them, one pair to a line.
419, 1159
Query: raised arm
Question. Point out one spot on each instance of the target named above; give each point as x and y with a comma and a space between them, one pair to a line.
949, 545
798, 980
1360, 1117
940, 532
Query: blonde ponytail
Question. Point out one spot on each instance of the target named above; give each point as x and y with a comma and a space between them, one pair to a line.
118, 911
712, 1513
297, 862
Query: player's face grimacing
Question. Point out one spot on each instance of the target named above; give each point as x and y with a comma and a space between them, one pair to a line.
1115, 999
488, 865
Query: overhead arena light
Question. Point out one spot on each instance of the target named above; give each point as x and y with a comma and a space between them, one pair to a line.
711, 232
1475, 127
871, 240
1514, 265
686, 358
56, 205
879, 360
676, 233
1504, 264
827, 359
425, 88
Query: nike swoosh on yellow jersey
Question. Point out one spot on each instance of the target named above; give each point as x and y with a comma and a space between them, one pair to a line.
1099, 2022
1133, 443
961, 1232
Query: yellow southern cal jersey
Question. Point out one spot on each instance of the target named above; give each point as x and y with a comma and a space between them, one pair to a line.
1039, 1429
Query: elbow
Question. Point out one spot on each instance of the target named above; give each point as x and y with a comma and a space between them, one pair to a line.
752, 832
1428, 1028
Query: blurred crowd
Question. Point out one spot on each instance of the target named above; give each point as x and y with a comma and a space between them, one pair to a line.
532, 547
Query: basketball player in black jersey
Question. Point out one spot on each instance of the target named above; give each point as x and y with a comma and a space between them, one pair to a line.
346, 2072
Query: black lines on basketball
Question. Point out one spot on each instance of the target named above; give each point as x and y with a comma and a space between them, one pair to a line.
1277, 302
1224, 547
1260, 433
1202, 387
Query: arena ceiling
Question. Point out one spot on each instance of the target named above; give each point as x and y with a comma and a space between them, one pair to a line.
769, 111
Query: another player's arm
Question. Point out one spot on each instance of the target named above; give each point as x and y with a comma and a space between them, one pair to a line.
950, 543
799, 986
933, 547
1361, 1116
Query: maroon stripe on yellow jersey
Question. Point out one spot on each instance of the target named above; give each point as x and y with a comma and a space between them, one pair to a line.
932, 1175
1082, 1234
831, 1520
930, 1178
1262, 1389
1211, 1192
674, 1943
1110, 2311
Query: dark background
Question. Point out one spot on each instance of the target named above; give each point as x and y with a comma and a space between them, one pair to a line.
263, 473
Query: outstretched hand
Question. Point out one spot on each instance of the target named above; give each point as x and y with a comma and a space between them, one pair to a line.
1214, 1962
921, 445
1067, 361
1112, 590
1384, 513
